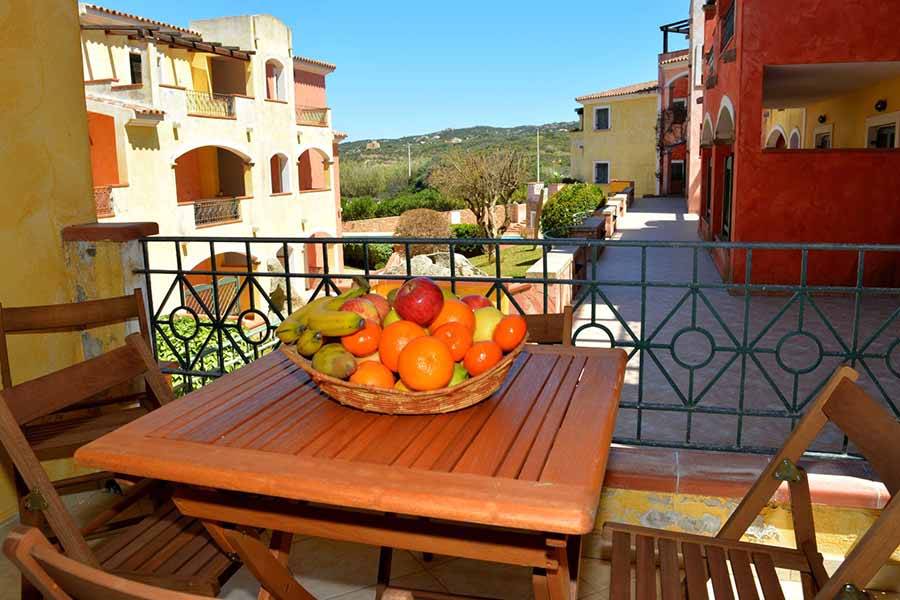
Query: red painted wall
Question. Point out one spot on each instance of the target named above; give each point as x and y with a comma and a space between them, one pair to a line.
309, 89
104, 160
848, 196
311, 170
271, 81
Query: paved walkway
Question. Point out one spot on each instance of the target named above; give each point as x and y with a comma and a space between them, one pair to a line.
680, 340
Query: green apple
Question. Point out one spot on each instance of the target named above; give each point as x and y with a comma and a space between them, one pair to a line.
459, 375
448, 295
486, 320
392, 317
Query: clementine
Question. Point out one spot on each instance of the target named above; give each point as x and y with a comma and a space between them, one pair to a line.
365, 341
374, 374
456, 336
454, 311
425, 364
481, 357
394, 338
510, 331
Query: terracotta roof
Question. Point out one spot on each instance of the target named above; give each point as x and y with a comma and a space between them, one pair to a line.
137, 108
315, 63
637, 88
125, 15
340, 135
683, 57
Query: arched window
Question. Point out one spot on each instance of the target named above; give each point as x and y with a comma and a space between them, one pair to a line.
275, 88
776, 138
314, 170
279, 174
794, 143
211, 172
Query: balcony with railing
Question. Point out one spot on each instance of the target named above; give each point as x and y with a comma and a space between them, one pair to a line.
312, 116
103, 201
217, 211
207, 104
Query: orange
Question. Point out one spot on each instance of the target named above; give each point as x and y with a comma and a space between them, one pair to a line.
365, 341
481, 357
426, 364
454, 311
394, 338
374, 374
510, 331
457, 337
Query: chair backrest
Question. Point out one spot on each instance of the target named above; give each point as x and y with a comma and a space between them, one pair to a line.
874, 431
59, 577
76, 316
39, 397
555, 328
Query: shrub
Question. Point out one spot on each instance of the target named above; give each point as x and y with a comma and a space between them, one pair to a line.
468, 231
355, 255
560, 212
428, 198
423, 223
357, 209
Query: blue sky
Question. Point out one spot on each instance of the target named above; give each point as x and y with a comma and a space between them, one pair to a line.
413, 67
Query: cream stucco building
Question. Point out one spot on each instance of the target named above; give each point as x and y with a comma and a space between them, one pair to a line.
215, 130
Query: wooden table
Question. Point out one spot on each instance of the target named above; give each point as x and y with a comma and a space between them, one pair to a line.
515, 479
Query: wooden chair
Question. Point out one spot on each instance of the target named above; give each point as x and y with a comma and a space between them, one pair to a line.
60, 434
163, 548
58, 577
555, 328
868, 425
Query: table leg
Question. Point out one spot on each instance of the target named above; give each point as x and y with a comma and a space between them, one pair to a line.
274, 577
385, 555
539, 582
562, 582
280, 548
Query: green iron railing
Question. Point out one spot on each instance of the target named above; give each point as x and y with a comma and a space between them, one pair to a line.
712, 364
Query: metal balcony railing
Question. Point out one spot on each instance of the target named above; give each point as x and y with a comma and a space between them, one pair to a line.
103, 201
209, 104
217, 211
314, 117
711, 364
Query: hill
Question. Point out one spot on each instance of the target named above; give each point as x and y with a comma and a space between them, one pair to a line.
430, 146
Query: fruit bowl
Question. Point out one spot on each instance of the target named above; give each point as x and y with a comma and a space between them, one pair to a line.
398, 402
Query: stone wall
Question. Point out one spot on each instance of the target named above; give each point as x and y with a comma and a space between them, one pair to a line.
389, 224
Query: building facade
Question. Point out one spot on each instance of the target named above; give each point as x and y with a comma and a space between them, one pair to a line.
616, 137
213, 130
799, 140
674, 121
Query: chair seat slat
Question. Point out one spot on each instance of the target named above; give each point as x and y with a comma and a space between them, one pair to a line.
669, 575
695, 571
768, 578
645, 568
718, 573
620, 570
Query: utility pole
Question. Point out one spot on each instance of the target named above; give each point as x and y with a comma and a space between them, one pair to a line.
408, 160
538, 154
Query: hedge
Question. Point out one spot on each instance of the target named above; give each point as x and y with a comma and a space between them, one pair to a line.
560, 212
467, 231
354, 255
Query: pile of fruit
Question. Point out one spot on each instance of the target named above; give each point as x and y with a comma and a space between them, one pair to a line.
418, 338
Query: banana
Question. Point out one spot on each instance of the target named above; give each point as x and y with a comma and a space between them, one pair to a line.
334, 360
290, 330
309, 343
336, 323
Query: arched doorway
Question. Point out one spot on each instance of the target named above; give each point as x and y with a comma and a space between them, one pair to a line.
776, 139
794, 143
279, 176
314, 170
211, 172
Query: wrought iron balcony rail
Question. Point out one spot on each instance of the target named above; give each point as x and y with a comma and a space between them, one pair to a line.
217, 211
314, 117
103, 201
712, 364
209, 104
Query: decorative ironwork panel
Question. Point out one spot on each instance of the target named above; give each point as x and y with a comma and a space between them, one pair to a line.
712, 364
209, 104
217, 211
315, 117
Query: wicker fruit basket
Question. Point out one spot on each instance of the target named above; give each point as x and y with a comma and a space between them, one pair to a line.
397, 402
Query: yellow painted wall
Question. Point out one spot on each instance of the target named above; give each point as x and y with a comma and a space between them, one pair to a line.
629, 145
200, 73
45, 167
209, 171
789, 119
848, 113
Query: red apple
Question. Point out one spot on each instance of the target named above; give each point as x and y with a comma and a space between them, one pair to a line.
363, 307
381, 304
475, 301
419, 300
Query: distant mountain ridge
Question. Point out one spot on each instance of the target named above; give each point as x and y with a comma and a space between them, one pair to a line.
554, 144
